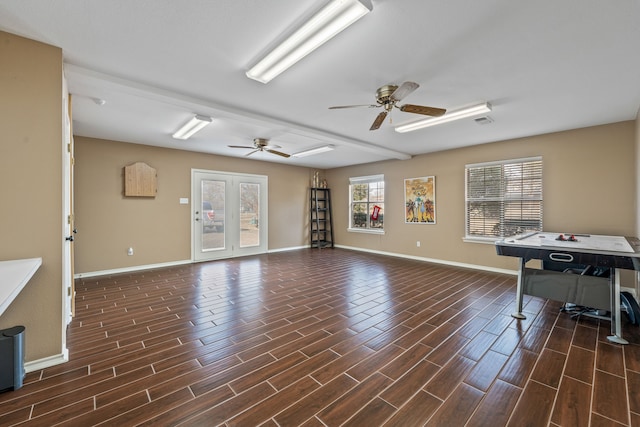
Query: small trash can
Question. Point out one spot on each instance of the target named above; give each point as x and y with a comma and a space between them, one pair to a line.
11, 358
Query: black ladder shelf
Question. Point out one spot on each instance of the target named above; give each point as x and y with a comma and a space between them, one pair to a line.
321, 223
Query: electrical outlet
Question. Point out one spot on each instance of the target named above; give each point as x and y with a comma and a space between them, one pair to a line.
130, 251
418, 243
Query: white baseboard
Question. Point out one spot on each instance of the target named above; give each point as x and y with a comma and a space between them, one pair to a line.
160, 265
433, 260
291, 248
131, 269
47, 362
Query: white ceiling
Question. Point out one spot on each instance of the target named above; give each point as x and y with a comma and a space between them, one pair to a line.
544, 66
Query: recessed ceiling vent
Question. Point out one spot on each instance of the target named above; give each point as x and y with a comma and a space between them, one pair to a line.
483, 120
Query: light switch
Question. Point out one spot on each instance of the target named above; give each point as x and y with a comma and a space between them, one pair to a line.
184, 200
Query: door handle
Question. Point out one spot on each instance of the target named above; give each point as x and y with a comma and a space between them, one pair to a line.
71, 238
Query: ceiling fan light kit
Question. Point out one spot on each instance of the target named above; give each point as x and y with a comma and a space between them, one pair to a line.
324, 25
448, 117
192, 126
313, 151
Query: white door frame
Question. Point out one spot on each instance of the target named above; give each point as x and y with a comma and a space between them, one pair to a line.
67, 210
67, 288
232, 217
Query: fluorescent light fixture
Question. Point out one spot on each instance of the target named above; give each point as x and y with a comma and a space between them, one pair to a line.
192, 126
329, 21
313, 151
448, 117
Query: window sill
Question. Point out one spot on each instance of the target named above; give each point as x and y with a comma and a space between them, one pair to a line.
365, 230
482, 240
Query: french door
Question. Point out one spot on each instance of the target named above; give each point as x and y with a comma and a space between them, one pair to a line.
229, 215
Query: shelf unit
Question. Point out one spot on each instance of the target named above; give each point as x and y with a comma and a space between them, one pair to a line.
321, 222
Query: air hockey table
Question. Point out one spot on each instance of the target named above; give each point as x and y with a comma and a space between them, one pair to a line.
612, 252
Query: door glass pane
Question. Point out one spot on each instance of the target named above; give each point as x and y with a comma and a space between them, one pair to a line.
249, 214
212, 217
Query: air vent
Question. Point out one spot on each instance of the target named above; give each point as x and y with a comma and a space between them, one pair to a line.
483, 120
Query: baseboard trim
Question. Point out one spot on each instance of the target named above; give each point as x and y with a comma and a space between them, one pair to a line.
47, 362
161, 265
291, 248
131, 269
433, 260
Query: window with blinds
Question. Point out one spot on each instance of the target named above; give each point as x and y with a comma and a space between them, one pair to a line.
503, 198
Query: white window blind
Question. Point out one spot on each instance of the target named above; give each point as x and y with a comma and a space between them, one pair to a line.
503, 198
366, 179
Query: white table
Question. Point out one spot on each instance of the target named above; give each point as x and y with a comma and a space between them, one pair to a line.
14, 275
613, 252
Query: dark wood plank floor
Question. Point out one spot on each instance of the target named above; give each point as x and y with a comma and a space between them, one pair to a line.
326, 338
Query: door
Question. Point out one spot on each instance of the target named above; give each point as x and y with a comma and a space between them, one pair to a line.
229, 213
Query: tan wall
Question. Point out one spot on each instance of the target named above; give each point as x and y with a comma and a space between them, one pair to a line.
588, 175
31, 190
159, 228
589, 187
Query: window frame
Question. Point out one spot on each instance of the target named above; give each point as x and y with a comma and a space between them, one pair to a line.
504, 196
365, 180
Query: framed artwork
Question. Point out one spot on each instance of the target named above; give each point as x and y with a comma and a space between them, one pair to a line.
420, 200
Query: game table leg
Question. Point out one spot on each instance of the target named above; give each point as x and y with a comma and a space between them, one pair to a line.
616, 324
518, 314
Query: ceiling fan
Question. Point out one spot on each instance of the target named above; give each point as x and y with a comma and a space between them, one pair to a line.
388, 95
261, 144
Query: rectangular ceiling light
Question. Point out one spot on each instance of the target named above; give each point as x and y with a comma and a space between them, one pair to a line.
192, 126
313, 151
329, 21
448, 117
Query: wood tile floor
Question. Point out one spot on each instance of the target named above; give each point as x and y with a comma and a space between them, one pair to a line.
326, 338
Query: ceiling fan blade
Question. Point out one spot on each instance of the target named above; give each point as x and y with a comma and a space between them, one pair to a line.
239, 146
278, 153
378, 121
421, 109
403, 90
251, 152
354, 106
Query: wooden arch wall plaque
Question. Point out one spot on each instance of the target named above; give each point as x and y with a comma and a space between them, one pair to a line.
140, 180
